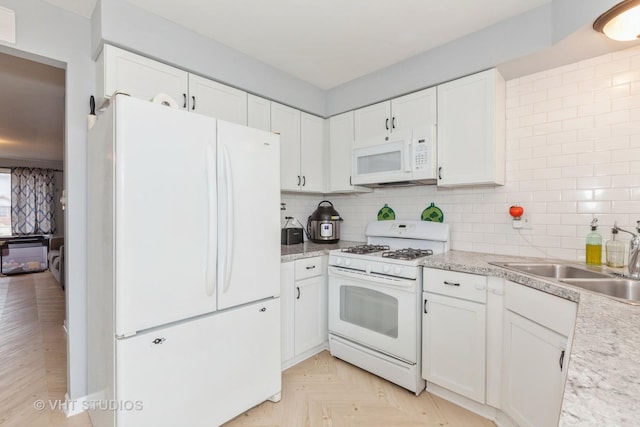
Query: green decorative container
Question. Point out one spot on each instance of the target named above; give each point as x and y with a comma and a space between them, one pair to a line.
386, 213
432, 213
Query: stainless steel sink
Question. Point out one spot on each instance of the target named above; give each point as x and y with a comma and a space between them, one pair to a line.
621, 289
627, 290
553, 270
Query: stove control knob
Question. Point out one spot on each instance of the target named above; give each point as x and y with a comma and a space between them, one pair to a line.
347, 261
338, 261
386, 268
397, 270
368, 269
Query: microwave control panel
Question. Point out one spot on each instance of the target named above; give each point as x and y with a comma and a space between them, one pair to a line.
421, 154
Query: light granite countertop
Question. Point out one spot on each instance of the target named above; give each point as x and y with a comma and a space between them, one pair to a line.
603, 380
310, 249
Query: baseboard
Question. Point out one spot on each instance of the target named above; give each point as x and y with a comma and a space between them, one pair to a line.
489, 412
76, 406
304, 356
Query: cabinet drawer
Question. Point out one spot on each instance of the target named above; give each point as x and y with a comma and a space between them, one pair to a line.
555, 313
467, 286
309, 267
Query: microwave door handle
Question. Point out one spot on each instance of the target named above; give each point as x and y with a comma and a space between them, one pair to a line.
408, 167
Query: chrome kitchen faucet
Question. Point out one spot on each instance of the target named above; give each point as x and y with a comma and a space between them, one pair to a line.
634, 256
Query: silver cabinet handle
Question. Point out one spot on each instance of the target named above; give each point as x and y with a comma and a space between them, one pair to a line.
424, 306
311, 267
298, 289
193, 106
451, 283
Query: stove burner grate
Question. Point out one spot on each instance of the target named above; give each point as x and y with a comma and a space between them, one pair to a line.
365, 249
407, 254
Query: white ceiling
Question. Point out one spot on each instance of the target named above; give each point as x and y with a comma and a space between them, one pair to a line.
328, 42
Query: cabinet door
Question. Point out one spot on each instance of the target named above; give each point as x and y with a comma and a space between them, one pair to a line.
286, 122
414, 110
372, 120
471, 140
534, 372
340, 145
454, 345
258, 113
312, 153
310, 313
287, 303
139, 76
214, 99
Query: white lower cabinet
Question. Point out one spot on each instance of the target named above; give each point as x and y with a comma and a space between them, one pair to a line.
537, 327
310, 330
533, 372
496, 347
304, 308
454, 345
454, 332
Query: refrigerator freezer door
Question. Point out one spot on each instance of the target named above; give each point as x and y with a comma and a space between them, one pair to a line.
249, 214
201, 372
165, 215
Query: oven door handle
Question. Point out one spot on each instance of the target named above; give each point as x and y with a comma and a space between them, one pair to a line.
392, 282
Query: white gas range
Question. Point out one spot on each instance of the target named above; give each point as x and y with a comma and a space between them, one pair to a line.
375, 295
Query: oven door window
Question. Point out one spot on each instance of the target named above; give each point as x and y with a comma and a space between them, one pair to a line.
369, 309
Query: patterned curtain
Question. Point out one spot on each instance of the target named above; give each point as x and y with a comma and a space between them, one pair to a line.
32, 206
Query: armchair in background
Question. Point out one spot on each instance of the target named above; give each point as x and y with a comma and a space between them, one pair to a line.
56, 259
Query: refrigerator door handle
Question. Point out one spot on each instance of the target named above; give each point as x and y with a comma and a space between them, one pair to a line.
210, 274
229, 241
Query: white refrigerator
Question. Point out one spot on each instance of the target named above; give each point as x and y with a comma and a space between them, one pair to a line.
183, 267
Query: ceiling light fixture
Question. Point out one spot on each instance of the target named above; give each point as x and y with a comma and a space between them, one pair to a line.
621, 22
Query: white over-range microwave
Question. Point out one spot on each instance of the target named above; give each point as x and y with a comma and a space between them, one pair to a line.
401, 158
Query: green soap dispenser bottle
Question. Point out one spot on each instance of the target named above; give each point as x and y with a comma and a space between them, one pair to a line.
594, 245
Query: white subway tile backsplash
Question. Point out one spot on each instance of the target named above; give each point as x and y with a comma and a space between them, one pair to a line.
562, 183
601, 207
625, 77
612, 194
578, 75
591, 182
547, 128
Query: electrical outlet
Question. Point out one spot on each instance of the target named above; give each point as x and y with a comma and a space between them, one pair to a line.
522, 224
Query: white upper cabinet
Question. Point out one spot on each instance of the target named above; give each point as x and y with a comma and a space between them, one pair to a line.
416, 109
145, 78
339, 163
217, 100
471, 130
372, 120
258, 113
138, 76
285, 121
312, 153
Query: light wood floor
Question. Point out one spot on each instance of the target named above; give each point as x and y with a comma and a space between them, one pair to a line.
325, 391
321, 391
33, 356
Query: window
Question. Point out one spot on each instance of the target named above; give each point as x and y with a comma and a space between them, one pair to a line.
5, 202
